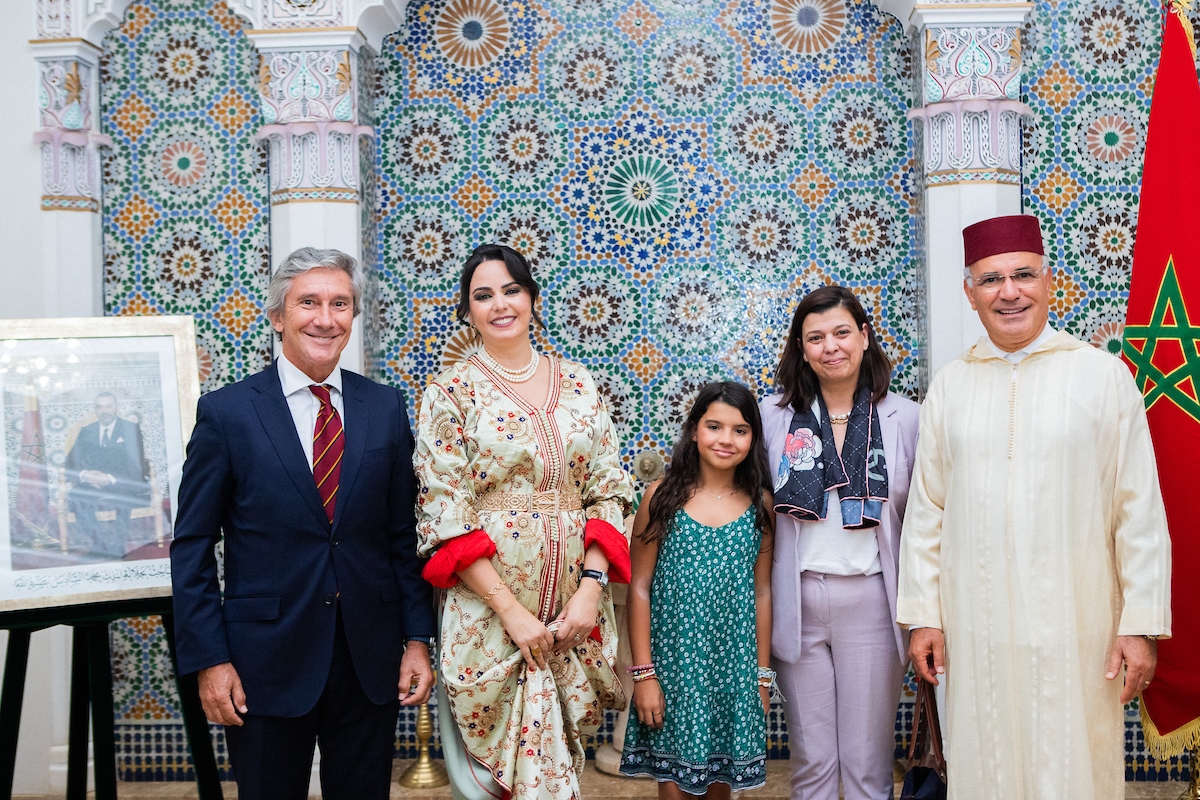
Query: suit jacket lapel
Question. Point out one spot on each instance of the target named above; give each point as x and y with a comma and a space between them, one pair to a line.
355, 425
276, 420
890, 431
888, 531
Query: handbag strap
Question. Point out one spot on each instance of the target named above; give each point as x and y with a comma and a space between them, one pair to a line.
931, 726
917, 735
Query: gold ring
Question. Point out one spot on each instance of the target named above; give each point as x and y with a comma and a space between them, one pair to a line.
535, 651
578, 638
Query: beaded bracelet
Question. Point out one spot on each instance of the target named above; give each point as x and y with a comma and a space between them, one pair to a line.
767, 680
639, 668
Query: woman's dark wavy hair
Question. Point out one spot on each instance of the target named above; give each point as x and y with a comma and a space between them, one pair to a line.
751, 476
518, 269
796, 380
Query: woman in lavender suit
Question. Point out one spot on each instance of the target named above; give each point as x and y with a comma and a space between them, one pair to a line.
843, 449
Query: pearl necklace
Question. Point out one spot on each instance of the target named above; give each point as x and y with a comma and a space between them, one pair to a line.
839, 419
523, 375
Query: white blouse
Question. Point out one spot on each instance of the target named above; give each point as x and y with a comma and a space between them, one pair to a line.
825, 546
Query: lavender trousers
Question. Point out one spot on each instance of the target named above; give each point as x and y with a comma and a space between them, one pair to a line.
843, 691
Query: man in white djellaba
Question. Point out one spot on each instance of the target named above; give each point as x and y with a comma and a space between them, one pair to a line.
1034, 560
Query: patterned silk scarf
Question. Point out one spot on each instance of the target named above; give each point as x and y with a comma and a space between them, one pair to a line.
811, 466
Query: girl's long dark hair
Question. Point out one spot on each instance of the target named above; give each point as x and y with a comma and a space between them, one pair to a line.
796, 380
751, 477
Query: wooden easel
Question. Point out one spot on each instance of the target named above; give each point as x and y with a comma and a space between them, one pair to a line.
91, 687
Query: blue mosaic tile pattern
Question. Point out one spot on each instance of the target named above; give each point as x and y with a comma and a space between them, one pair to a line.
1088, 76
185, 191
679, 173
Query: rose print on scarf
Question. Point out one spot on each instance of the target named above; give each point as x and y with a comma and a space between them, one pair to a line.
801, 450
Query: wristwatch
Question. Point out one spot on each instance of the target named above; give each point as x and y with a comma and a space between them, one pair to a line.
600, 577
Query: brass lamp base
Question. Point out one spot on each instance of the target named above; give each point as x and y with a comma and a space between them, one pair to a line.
424, 773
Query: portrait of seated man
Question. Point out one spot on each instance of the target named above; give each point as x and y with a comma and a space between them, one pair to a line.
108, 476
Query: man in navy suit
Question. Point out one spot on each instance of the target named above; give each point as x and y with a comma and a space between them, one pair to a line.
107, 467
326, 623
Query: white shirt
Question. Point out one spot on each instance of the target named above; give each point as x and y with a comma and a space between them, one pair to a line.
1019, 355
304, 405
825, 546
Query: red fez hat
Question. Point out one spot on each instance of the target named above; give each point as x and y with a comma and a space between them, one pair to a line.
1019, 233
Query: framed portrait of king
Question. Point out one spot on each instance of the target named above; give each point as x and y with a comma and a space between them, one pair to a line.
95, 415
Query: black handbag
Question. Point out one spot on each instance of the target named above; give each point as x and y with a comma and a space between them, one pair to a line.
926, 776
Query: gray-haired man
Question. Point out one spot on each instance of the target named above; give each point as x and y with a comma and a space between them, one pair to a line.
325, 621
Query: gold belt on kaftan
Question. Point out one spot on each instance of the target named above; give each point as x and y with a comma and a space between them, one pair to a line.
552, 502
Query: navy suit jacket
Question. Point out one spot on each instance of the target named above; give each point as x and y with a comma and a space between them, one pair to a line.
286, 567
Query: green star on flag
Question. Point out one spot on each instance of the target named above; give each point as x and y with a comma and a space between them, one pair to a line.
1171, 331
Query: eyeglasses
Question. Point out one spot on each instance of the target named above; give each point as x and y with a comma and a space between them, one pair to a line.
993, 281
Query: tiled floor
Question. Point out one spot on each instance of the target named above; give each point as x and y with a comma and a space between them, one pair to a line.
595, 784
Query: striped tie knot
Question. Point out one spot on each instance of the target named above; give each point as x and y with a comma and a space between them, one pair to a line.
328, 446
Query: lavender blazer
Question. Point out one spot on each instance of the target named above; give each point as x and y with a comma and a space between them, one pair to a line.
898, 418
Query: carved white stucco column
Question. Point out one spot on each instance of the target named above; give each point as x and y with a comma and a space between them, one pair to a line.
970, 122
67, 51
308, 85
315, 112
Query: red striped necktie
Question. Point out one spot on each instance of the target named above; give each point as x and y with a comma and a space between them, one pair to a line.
328, 444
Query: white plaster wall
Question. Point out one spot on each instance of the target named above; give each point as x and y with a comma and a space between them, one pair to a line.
41, 752
22, 293
42, 746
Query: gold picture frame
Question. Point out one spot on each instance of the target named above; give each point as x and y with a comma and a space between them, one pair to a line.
95, 415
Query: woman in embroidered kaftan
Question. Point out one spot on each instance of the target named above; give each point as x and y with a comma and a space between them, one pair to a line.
523, 499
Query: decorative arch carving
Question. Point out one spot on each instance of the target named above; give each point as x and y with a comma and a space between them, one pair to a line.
72, 19
375, 19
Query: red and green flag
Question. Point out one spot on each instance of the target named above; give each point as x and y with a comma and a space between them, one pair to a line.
1162, 347
31, 511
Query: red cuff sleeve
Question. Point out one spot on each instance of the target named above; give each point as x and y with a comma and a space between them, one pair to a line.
613, 544
458, 554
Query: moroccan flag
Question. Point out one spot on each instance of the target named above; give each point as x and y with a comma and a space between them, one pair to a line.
32, 509
1162, 347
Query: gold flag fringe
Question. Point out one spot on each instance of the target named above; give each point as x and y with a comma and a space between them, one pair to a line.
1181, 8
1186, 737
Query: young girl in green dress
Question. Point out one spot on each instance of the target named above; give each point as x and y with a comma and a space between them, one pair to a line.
700, 607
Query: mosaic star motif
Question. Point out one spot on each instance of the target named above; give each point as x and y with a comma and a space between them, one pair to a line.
807, 26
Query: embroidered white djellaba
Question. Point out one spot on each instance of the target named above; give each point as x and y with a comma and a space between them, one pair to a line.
1034, 535
529, 477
